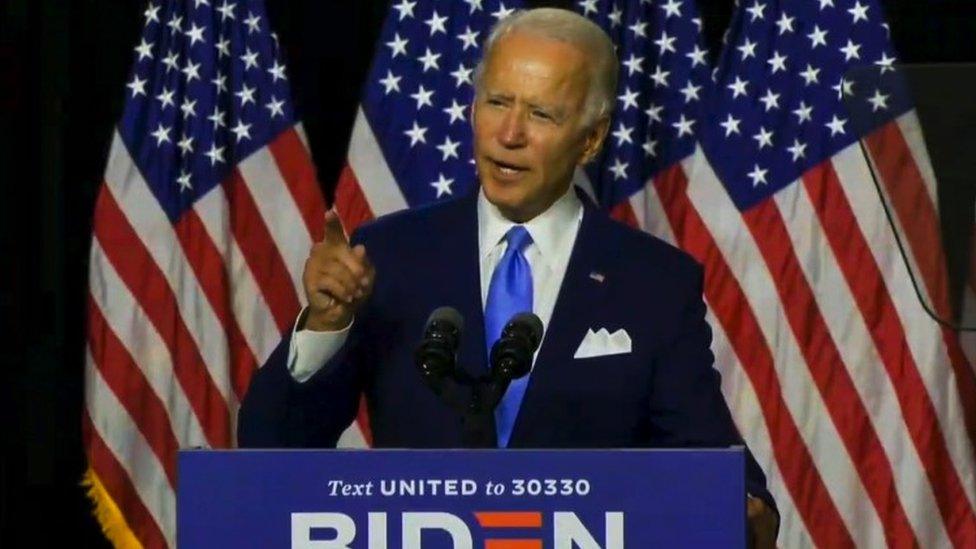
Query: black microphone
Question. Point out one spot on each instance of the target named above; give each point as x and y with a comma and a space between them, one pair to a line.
436, 356
511, 355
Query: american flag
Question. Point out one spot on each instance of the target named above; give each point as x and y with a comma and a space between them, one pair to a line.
208, 209
860, 407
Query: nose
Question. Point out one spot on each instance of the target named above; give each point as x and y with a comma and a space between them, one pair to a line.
511, 133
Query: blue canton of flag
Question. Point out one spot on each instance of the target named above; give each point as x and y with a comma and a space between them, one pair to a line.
419, 91
790, 77
664, 78
207, 89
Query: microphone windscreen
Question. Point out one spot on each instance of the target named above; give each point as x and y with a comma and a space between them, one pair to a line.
449, 315
533, 324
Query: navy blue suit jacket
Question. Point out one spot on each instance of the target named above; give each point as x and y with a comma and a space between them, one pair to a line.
664, 393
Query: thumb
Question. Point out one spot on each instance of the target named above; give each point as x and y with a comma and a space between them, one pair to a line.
333, 227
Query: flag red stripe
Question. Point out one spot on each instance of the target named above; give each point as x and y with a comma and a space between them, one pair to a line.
116, 482
211, 272
624, 213
350, 202
148, 285
871, 294
299, 175
920, 222
124, 378
828, 370
259, 250
728, 302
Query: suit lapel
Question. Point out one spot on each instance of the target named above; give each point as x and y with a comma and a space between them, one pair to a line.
579, 296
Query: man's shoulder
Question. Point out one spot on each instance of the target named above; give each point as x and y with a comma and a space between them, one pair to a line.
643, 251
416, 221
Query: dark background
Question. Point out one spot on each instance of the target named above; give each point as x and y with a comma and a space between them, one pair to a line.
63, 65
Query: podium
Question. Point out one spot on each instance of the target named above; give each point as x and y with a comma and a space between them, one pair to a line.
464, 499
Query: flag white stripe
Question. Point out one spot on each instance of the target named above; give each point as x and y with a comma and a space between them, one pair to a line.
250, 310
374, 176
911, 130
280, 213
847, 328
650, 213
153, 228
127, 320
924, 335
803, 399
123, 438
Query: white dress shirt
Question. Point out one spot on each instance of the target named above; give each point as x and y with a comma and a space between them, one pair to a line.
553, 234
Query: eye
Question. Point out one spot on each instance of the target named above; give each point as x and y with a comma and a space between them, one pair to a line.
543, 115
494, 101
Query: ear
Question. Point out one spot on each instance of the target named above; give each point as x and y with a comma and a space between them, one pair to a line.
594, 139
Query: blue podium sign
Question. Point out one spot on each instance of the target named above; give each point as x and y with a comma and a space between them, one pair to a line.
461, 499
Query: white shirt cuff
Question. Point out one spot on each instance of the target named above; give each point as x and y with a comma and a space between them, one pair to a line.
310, 350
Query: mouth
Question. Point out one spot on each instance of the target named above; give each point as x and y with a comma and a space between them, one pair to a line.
507, 170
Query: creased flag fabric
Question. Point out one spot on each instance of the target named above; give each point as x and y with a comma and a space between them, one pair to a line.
207, 211
859, 406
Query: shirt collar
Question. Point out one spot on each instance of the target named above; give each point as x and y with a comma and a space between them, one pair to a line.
548, 229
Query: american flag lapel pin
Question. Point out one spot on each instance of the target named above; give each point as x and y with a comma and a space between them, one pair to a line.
597, 276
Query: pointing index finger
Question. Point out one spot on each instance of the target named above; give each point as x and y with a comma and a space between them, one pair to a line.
333, 228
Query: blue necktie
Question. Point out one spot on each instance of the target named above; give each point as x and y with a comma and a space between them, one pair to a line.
509, 293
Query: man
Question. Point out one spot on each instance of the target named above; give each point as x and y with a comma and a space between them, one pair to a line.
524, 241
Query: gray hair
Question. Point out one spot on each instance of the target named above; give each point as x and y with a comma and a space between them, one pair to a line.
572, 28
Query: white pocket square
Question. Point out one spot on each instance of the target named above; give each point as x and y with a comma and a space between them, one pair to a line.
603, 343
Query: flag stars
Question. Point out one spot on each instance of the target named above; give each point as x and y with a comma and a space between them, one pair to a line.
161, 134
764, 138
622, 134
502, 12
195, 34
398, 46
469, 38
665, 43
697, 56
226, 11
475, 5
186, 145
220, 82
246, 95
683, 125
588, 6
777, 62
738, 87
215, 154
436, 23
758, 176
633, 64
619, 169
253, 23
615, 17
462, 75
250, 59
137, 85
671, 8
836, 126
825, 3
390, 83
859, 12
275, 107
770, 100
184, 181
277, 72
690, 91
429, 60
878, 101
144, 49
810, 75
189, 108
455, 111
448, 148
442, 185
650, 147
731, 125
804, 113
639, 29
748, 49
165, 98
417, 134
785, 23
851, 51
817, 37
886, 63
217, 118
191, 71
241, 131
404, 9
422, 97
653, 112
175, 24
756, 11
223, 48
843, 87
171, 61
151, 14
660, 77
629, 98
798, 150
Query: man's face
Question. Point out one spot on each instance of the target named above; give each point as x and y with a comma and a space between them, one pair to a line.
528, 119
